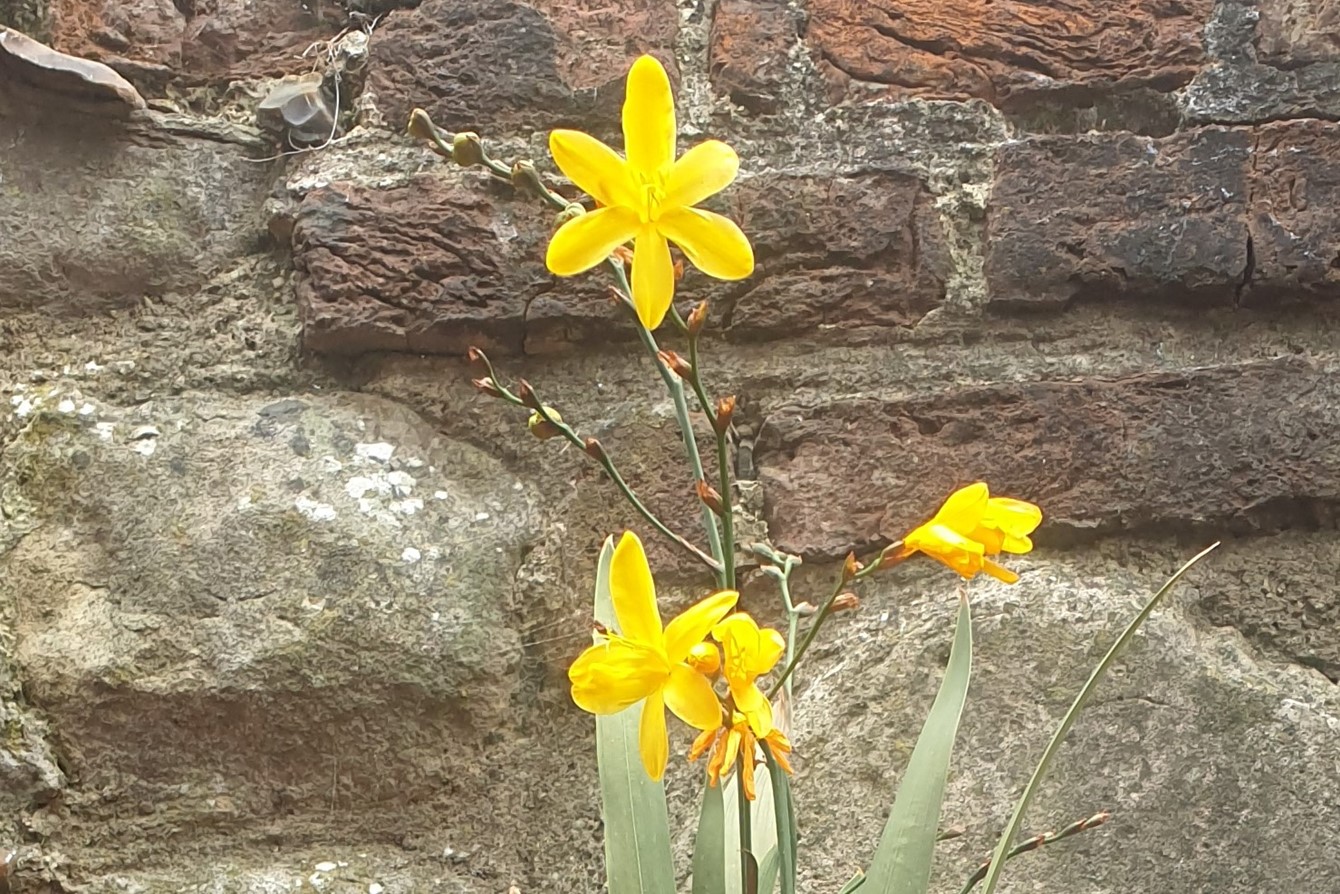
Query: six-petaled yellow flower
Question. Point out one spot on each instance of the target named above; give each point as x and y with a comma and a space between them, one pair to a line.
738, 740
750, 651
648, 198
972, 525
643, 662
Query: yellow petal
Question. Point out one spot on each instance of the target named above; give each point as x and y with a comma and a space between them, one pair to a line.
634, 595
610, 676
749, 650
649, 118
712, 243
653, 277
705, 740
585, 241
594, 167
692, 626
964, 509
1016, 519
703, 171
690, 696
999, 572
731, 749
747, 769
947, 546
756, 708
652, 740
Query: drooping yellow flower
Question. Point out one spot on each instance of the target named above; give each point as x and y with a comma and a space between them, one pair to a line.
648, 198
750, 651
972, 525
728, 743
644, 662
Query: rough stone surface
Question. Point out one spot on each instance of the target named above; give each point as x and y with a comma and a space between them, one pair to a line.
490, 66
98, 218
750, 51
35, 66
1009, 51
1246, 448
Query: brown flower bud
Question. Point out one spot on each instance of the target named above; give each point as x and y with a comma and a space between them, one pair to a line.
421, 126
595, 450
725, 410
848, 601
623, 254
697, 318
676, 363
571, 212
850, 567
543, 428
678, 269
467, 149
487, 386
527, 395
805, 609
711, 499
893, 554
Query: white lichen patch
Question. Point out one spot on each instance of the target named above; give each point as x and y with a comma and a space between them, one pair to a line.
379, 452
314, 510
410, 555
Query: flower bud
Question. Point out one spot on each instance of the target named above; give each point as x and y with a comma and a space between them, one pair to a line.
697, 318
420, 125
705, 658
624, 255
526, 178
710, 498
571, 212
850, 567
678, 269
893, 554
467, 149
543, 428
725, 410
677, 364
527, 395
487, 386
595, 450
848, 601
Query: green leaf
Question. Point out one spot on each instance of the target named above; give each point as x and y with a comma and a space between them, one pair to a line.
902, 862
709, 845
857, 881
1016, 820
785, 810
767, 872
637, 823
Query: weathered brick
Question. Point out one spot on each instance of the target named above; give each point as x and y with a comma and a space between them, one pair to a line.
750, 49
1236, 449
1006, 50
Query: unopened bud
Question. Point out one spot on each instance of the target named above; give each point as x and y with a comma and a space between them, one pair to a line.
487, 386
527, 395
804, 609
725, 410
676, 363
623, 254
678, 269
467, 149
478, 358
850, 567
543, 428
526, 178
571, 212
595, 450
846, 602
697, 318
420, 125
705, 658
710, 498
892, 555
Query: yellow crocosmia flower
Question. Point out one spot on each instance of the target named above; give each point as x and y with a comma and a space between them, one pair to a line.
644, 662
648, 198
750, 651
972, 525
737, 741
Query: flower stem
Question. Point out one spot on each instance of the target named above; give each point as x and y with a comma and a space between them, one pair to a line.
746, 830
675, 386
824, 611
780, 570
1036, 842
723, 461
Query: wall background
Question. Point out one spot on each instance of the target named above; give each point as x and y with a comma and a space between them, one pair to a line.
285, 602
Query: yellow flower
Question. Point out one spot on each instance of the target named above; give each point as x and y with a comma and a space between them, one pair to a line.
643, 662
738, 741
972, 525
749, 652
648, 198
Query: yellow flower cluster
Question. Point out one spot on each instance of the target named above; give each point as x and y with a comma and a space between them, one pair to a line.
674, 665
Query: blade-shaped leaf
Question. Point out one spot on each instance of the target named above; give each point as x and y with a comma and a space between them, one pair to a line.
637, 823
902, 862
1016, 819
709, 845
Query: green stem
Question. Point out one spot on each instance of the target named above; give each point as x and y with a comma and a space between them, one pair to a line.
723, 461
675, 386
1033, 844
822, 615
746, 830
608, 465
